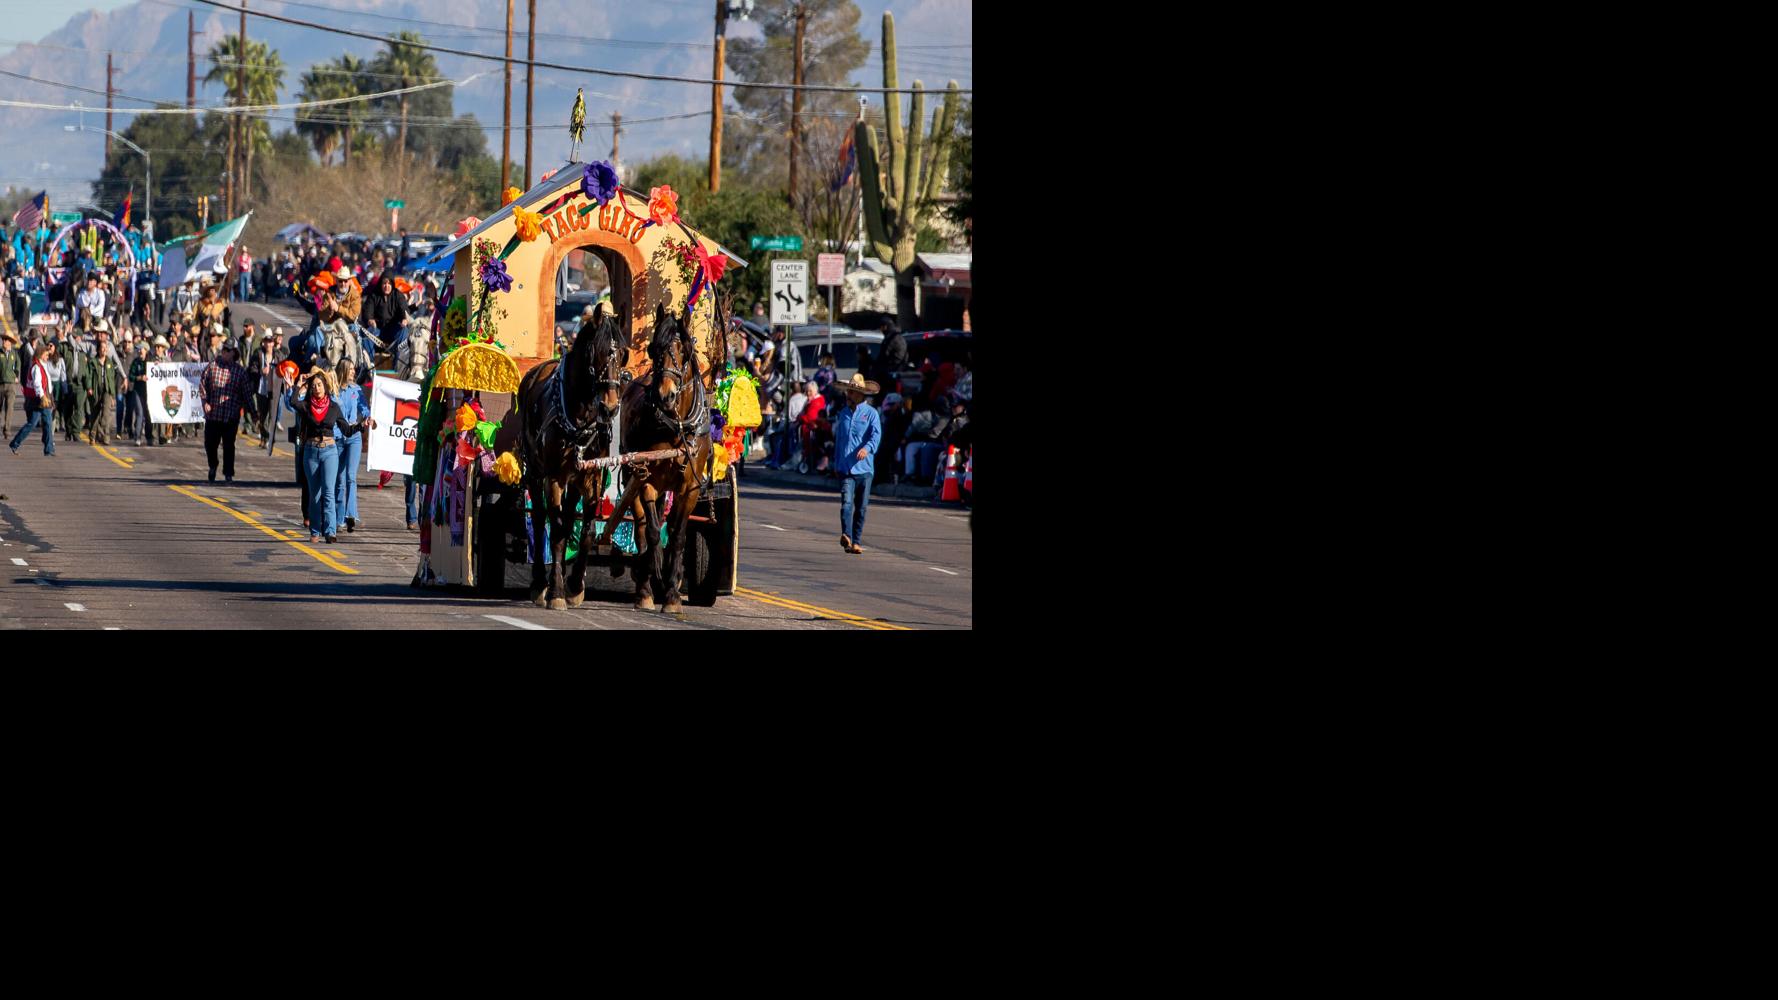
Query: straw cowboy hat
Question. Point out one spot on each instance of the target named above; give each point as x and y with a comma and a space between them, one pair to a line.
860, 385
9, 335
159, 341
100, 326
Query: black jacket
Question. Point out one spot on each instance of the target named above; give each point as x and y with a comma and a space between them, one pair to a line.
385, 312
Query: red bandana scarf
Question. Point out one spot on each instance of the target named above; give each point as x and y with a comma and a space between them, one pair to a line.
318, 407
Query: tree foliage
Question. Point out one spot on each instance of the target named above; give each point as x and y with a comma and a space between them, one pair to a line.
731, 217
756, 142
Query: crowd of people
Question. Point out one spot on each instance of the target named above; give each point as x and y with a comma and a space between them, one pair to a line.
918, 427
86, 368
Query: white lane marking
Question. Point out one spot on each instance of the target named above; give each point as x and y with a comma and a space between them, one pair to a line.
944, 571
772, 526
16, 561
112, 628
75, 607
520, 623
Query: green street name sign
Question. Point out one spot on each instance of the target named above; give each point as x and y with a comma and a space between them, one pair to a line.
392, 203
64, 218
777, 242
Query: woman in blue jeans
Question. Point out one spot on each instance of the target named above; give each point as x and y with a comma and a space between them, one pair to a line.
317, 418
354, 410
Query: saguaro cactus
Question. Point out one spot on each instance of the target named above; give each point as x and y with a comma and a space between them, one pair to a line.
916, 170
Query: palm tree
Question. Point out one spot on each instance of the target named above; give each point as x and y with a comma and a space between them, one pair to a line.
331, 127
404, 65
265, 75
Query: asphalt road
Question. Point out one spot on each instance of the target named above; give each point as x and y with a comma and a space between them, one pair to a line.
126, 537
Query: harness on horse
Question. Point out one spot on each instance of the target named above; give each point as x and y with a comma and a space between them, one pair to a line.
580, 437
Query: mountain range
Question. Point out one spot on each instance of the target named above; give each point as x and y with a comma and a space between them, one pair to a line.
147, 41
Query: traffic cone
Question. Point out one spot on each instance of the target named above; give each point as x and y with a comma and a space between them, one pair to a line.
949, 491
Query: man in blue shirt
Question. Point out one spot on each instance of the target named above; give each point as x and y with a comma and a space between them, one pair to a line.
857, 434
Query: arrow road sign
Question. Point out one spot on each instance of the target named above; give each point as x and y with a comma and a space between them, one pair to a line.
790, 292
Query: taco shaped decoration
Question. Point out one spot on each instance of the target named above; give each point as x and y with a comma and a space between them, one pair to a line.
172, 397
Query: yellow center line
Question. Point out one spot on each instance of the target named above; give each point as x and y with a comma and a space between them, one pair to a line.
869, 625
820, 611
323, 557
257, 443
101, 449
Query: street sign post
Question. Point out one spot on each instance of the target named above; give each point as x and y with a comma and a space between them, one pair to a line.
394, 208
791, 243
790, 292
64, 218
830, 271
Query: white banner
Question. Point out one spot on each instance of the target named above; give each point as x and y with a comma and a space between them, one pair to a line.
395, 406
173, 394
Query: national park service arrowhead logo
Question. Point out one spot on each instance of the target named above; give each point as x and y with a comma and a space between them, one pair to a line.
172, 397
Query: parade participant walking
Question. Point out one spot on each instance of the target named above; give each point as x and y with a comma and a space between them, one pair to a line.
157, 433
104, 379
244, 271
136, 394
225, 387
266, 356
39, 403
211, 309
10, 372
354, 410
857, 434
317, 417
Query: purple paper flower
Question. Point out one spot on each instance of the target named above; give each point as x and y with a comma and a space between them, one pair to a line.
717, 422
599, 182
495, 277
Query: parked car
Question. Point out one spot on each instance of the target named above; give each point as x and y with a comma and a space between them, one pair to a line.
946, 345
812, 341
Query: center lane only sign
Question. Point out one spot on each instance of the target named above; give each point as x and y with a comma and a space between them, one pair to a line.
790, 292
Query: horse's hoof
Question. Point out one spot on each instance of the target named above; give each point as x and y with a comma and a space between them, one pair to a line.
673, 608
574, 600
645, 603
558, 605
541, 598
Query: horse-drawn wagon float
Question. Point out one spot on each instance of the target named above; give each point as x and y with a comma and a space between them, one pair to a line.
618, 452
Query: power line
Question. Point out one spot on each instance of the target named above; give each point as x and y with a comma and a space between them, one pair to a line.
477, 30
521, 62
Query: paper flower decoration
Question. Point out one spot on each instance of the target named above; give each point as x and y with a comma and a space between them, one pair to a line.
506, 467
530, 224
598, 181
456, 323
464, 225
547, 175
663, 205
509, 196
465, 420
712, 263
494, 276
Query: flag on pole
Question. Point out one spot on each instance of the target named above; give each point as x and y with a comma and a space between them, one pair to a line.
122, 219
848, 160
32, 215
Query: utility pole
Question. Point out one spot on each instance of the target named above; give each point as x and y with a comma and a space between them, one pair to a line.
616, 127
241, 120
191, 62
530, 71
716, 97
796, 101
506, 114
109, 90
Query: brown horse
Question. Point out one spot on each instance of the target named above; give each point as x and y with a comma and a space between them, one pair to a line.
667, 410
565, 412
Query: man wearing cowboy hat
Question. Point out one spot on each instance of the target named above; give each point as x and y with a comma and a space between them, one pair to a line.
857, 433
9, 378
103, 381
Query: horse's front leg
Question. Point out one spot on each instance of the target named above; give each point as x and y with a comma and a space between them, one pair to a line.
577, 574
676, 549
560, 523
648, 553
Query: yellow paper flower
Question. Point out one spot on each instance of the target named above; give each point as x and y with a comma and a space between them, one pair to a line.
530, 223
510, 195
507, 468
